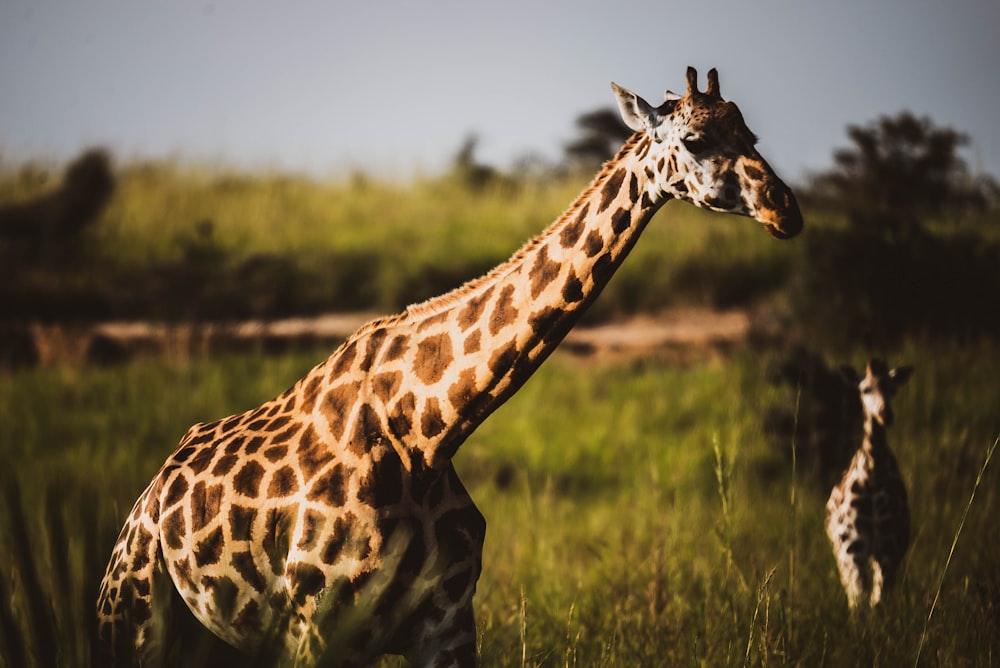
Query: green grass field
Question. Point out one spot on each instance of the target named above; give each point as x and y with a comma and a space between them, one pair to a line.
637, 513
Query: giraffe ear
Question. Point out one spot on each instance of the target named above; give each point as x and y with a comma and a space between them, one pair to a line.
670, 96
636, 112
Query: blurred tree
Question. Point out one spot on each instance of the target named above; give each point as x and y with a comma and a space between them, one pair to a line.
901, 171
473, 174
602, 133
888, 275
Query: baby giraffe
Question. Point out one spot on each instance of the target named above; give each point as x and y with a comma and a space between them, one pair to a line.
867, 514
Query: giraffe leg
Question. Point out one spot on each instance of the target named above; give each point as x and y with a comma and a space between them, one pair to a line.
133, 603
452, 646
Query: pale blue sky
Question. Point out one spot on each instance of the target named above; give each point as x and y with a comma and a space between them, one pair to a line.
392, 87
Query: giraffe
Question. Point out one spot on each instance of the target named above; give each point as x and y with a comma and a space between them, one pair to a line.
330, 520
867, 514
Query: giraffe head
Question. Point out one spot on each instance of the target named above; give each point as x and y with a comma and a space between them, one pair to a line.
703, 152
877, 387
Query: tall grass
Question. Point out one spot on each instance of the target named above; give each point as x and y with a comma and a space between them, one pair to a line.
626, 505
380, 244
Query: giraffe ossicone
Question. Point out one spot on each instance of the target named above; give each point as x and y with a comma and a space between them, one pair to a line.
868, 512
328, 524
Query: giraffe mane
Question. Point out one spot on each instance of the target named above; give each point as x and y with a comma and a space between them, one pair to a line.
440, 303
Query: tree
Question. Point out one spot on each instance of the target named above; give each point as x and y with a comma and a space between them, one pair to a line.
902, 170
887, 275
602, 134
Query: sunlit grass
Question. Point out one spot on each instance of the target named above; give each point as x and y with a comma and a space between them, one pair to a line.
637, 514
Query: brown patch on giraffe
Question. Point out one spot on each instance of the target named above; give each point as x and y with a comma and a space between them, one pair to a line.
611, 188
572, 290
473, 309
330, 488
375, 340
602, 270
383, 485
434, 321
434, 355
463, 390
247, 480
244, 564
543, 320
543, 272
643, 147
254, 444
276, 453
401, 417
385, 385
229, 424
311, 456
310, 393
182, 567
337, 406
397, 348
236, 444
248, 620
473, 342
572, 231
183, 454
201, 461
457, 585
276, 537
342, 362
278, 423
594, 243
307, 580
205, 504
312, 527
503, 358
753, 173
207, 434
209, 550
504, 312
338, 537
259, 424
620, 220
633, 188
367, 430
173, 528
241, 522
178, 488
431, 421
284, 482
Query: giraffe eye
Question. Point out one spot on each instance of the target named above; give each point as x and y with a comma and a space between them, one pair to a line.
695, 144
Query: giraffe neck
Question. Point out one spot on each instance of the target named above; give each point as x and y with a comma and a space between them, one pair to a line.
875, 435
433, 373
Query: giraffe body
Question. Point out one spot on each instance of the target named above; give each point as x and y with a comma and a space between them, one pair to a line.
329, 524
867, 513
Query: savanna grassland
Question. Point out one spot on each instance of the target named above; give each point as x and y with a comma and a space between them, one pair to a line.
640, 510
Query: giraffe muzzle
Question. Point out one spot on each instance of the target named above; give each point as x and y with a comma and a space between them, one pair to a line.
781, 215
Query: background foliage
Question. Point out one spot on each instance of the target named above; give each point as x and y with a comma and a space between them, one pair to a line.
659, 510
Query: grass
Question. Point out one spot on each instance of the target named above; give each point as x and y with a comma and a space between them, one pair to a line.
358, 242
637, 514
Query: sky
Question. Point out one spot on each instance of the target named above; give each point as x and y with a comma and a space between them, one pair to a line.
393, 87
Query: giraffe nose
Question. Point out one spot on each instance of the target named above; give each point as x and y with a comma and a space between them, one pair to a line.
786, 218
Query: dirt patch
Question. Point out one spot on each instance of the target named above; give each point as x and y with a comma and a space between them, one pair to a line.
678, 331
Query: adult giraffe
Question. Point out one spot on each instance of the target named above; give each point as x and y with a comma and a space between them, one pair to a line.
330, 520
